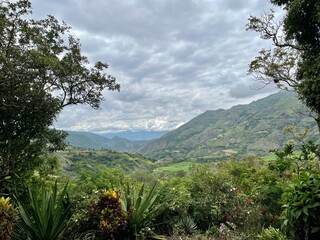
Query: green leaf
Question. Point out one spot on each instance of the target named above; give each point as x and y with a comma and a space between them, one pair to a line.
48, 215
315, 229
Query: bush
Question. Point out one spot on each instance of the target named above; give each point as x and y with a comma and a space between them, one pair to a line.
112, 218
301, 207
214, 198
271, 234
47, 217
142, 207
186, 225
7, 218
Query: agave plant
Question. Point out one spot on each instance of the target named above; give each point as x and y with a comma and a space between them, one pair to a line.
142, 206
47, 216
186, 225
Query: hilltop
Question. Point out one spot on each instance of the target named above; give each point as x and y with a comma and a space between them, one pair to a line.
242, 130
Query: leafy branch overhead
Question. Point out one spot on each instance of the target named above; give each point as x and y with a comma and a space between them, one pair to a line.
46, 62
42, 70
293, 63
279, 64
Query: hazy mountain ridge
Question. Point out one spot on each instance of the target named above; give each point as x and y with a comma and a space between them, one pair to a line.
136, 136
241, 130
89, 140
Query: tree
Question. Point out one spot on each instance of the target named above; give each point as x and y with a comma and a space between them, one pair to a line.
40, 74
294, 61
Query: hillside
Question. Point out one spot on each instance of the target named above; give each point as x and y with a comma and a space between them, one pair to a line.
72, 160
137, 136
242, 130
88, 140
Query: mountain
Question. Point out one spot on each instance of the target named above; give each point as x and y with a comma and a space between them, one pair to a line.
124, 145
242, 130
89, 140
86, 140
140, 135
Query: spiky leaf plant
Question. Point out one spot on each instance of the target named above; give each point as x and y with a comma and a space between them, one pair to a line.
47, 216
141, 205
271, 233
186, 225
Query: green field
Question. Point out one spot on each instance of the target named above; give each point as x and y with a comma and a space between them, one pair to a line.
175, 167
270, 157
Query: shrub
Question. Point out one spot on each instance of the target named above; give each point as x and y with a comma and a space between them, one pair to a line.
142, 206
186, 225
271, 234
301, 207
7, 218
48, 215
112, 218
214, 198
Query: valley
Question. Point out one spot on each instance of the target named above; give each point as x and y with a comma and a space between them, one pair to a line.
215, 135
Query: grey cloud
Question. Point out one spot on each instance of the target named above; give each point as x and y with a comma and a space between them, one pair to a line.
243, 90
173, 59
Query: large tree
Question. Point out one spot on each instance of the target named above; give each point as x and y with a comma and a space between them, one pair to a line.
42, 70
293, 63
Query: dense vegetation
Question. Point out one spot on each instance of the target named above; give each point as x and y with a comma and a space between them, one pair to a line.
234, 199
108, 195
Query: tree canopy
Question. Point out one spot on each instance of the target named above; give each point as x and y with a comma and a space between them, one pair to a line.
294, 61
40, 73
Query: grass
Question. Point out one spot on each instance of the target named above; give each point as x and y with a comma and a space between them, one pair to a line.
270, 157
175, 167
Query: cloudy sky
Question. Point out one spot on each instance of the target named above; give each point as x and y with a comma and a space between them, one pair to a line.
174, 59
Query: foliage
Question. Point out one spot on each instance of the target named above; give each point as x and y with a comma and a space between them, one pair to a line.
85, 191
97, 178
8, 218
186, 225
301, 207
142, 206
294, 60
84, 160
258, 192
227, 231
271, 233
214, 198
47, 217
283, 160
304, 160
112, 218
40, 75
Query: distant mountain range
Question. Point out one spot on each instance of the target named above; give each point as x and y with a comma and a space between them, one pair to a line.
136, 136
242, 130
130, 141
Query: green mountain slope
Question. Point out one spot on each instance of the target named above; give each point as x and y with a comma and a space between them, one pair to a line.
251, 129
124, 145
88, 140
72, 160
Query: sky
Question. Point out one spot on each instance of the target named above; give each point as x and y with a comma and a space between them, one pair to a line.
174, 59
